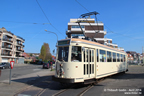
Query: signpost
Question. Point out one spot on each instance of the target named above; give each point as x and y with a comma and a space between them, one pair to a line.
11, 67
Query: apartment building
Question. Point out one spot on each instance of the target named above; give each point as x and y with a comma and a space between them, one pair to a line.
11, 47
91, 28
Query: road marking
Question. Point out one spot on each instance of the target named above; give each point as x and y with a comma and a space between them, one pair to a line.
23, 95
36, 69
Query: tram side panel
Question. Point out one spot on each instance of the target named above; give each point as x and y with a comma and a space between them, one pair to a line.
105, 69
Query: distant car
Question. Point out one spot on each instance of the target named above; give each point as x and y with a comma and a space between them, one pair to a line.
4, 65
40, 62
46, 65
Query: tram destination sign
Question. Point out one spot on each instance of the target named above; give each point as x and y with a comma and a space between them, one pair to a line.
65, 42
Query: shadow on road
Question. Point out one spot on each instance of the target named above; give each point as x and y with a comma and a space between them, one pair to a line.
142, 91
128, 76
41, 82
46, 82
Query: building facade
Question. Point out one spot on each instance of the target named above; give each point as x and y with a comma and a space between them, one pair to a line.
11, 47
91, 28
134, 57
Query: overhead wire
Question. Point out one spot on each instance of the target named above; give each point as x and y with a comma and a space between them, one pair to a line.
48, 19
23, 22
105, 25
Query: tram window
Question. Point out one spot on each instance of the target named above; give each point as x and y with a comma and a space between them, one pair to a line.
109, 58
121, 58
92, 55
114, 57
87, 54
63, 53
102, 56
84, 55
87, 68
84, 68
124, 58
118, 57
90, 68
93, 68
97, 56
76, 54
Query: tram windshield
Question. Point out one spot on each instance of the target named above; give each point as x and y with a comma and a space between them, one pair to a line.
76, 54
63, 53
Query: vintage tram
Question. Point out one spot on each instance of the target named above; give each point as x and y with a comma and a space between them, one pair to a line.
82, 61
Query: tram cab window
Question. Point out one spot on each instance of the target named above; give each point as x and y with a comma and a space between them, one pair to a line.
102, 56
76, 54
63, 53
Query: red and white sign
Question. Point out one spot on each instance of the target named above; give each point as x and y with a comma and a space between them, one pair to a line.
12, 64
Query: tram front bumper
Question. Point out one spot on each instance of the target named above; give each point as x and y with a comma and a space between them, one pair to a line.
63, 80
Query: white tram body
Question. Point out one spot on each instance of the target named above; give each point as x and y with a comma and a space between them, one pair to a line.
79, 60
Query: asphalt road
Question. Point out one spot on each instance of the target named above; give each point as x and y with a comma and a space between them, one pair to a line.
19, 71
129, 84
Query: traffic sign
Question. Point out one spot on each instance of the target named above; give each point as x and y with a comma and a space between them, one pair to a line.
12, 64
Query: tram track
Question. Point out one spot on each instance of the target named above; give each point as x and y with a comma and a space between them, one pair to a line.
60, 92
79, 94
33, 86
39, 90
82, 92
85, 90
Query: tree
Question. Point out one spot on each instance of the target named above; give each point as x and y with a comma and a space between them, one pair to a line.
31, 54
43, 53
48, 54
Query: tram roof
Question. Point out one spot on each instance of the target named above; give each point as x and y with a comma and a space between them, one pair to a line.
91, 42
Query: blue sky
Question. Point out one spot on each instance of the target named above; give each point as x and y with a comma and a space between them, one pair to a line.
124, 17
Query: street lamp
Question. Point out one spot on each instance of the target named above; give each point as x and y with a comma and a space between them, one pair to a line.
57, 39
52, 32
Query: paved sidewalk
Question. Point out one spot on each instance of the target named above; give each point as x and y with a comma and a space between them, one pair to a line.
21, 82
20, 64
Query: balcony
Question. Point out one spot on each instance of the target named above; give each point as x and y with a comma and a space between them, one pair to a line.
77, 29
20, 38
7, 47
7, 40
20, 50
17, 55
120, 48
19, 44
6, 54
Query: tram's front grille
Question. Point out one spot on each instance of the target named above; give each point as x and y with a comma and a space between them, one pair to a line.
88, 69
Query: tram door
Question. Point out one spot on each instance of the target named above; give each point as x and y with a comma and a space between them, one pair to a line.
89, 65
